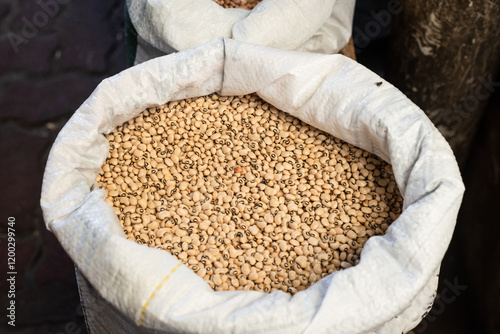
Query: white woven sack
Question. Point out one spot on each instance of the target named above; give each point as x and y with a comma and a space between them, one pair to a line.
166, 26
387, 292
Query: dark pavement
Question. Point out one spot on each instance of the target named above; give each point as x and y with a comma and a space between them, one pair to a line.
52, 56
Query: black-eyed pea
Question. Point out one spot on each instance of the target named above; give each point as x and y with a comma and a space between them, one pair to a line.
253, 276
293, 196
317, 269
351, 234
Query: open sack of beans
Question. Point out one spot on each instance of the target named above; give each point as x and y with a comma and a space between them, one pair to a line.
271, 193
166, 26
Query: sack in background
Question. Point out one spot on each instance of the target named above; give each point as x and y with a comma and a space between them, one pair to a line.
166, 26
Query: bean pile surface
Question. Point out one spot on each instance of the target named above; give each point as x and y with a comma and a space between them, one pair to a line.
246, 195
245, 4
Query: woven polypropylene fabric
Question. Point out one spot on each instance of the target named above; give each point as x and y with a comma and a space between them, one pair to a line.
395, 280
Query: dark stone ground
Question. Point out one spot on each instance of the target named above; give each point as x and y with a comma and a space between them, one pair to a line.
45, 75
46, 72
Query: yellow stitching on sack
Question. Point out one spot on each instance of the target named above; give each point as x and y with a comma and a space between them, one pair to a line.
141, 318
